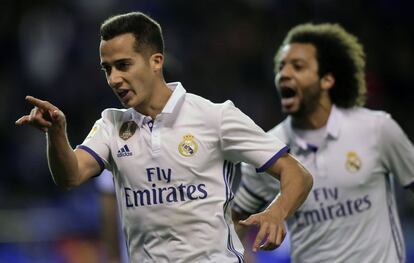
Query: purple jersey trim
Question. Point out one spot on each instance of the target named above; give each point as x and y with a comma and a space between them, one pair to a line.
227, 177
94, 155
272, 160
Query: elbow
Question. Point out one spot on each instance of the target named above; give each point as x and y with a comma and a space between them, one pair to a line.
308, 181
66, 185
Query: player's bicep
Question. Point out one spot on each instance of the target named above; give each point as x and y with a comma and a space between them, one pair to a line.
87, 164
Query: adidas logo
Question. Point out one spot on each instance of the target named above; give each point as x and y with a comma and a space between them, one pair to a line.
124, 151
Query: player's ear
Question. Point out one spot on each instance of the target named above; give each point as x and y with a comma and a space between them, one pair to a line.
156, 61
327, 81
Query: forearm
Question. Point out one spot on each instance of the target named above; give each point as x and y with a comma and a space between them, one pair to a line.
295, 184
62, 160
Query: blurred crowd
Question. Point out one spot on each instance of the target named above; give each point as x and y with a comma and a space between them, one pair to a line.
218, 49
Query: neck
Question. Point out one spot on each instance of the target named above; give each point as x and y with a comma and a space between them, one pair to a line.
316, 119
160, 96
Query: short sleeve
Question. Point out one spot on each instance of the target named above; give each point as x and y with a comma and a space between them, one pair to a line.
243, 140
97, 143
255, 191
397, 151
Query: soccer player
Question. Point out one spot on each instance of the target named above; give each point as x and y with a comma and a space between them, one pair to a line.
171, 154
353, 153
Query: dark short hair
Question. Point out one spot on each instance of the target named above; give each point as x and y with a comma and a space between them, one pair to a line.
338, 53
147, 32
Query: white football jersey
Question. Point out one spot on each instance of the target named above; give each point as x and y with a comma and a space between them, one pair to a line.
350, 214
173, 175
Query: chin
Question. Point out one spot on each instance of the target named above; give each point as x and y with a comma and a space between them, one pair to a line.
128, 103
125, 104
290, 111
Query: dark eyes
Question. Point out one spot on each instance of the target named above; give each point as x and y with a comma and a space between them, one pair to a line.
296, 66
106, 69
121, 66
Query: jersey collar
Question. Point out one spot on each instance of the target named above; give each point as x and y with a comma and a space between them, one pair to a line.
334, 122
178, 92
332, 129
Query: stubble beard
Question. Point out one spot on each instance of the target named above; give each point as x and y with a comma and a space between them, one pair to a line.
309, 103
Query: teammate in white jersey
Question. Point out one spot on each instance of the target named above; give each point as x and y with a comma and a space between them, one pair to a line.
171, 154
353, 153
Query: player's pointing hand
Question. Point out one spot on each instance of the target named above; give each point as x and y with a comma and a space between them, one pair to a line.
44, 116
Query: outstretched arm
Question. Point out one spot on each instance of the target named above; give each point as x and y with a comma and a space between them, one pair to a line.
295, 184
69, 168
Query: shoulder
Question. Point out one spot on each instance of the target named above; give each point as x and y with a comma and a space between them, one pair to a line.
367, 121
203, 103
113, 116
111, 113
280, 131
361, 113
195, 104
364, 116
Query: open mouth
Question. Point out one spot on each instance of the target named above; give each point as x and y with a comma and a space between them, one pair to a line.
287, 93
288, 97
122, 93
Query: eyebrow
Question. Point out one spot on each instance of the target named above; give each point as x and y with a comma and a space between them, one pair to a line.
296, 60
105, 64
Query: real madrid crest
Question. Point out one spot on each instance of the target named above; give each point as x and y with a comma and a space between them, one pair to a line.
188, 146
353, 162
127, 130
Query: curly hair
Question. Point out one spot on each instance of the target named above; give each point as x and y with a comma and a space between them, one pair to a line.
147, 32
338, 53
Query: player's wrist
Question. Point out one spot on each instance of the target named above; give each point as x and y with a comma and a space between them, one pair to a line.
278, 209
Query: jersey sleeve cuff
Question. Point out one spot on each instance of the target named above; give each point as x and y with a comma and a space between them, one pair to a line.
94, 155
272, 160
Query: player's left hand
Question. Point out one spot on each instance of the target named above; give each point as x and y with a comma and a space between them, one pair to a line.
272, 230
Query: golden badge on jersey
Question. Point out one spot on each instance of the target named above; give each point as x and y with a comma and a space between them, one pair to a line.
127, 130
188, 146
353, 162
93, 131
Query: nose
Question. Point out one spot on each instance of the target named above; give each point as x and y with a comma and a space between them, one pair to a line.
284, 74
285, 71
114, 79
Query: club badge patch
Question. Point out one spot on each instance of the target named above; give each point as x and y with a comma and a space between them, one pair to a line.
188, 146
353, 162
127, 130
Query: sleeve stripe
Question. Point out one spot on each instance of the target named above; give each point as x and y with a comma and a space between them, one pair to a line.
272, 160
94, 155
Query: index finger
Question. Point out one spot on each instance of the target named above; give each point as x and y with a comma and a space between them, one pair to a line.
42, 104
